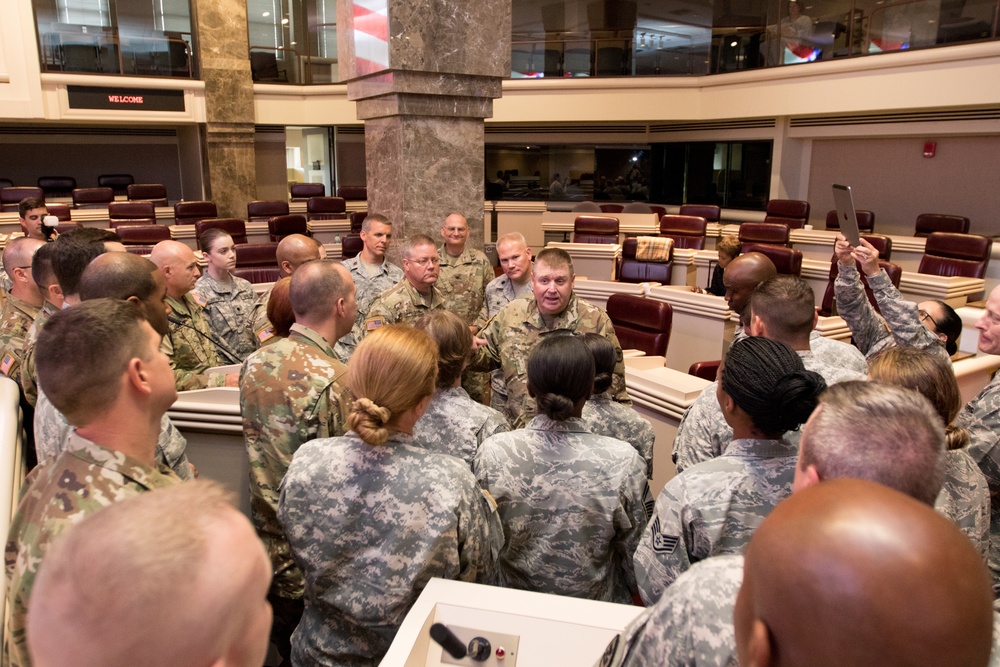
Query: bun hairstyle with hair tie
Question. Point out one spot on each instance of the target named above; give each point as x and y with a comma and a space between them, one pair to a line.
604, 361
392, 370
767, 380
560, 375
950, 324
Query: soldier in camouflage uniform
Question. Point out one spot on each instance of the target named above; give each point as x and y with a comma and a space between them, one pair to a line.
21, 306
30, 214
507, 341
741, 278
367, 556
929, 325
714, 507
293, 391
89, 375
292, 252
229, 300
45, 279
573, 504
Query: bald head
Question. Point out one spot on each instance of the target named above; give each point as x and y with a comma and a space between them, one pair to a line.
742, 276
179, 265
17, 256
853, 573
295, 250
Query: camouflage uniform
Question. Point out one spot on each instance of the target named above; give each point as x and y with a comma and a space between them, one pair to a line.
573, 505
899, 323
400, 304
191, 354
370, 526
603, 416
228, 307
16, 317
52, 434
463, 282
981, 417
29, 376
703, 433
57, 494
501, 291
712, 509
368, 290
457, 425
515, 331
260, 326
965, 499
290, 392
837, 353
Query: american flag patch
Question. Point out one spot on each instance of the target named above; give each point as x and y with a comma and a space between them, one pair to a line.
199, 299
8, 361
663, 544
374, 323
265, 334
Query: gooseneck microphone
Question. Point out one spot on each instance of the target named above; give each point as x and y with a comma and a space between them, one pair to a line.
231, 356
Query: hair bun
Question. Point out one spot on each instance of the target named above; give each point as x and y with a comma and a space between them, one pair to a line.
378, 415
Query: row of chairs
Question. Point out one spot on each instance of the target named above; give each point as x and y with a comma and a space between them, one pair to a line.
62, 186
84, 198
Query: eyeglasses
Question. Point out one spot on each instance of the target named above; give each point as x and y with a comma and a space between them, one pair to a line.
424, 261
924, 316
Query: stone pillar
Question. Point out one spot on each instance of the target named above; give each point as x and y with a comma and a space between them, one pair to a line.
223, 56
424, 74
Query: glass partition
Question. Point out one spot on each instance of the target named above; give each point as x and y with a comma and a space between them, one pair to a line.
293, 41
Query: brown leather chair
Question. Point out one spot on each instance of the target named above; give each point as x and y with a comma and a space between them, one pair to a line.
949, 254
881, 243
12, 196
612, 208
93, 197
66, 227
641, 324
353, 192
57, 186
350, 246
660, 211
631, 270
595, 229
61, 211
586, 207
791, 212
787, 261
191, 212
144, 235
233, 226
894, 272
928, 223
326, 208
281, 226
707, 211
757, 233
866, 220
687, 231
303, 191
706, 370
357, 220
264, 210
131, 213
636, 207
117, 182
257, 262
154, 193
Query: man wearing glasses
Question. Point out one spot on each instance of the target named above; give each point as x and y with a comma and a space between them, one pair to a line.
413, 296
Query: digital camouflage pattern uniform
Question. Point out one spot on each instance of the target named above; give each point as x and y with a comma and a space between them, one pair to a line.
501, 291
703, 433
57, 494
463, 283
370, 525
712, 509
228, 309
515, 331
837, 353
400, 304
965, 499
29, 376
191, 354
16, 317
291, 392
457, 425
368, 289
260, 326
981, 417
899, 323
603, 416
573, 505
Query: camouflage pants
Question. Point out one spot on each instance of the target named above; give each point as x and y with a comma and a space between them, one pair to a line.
477, 384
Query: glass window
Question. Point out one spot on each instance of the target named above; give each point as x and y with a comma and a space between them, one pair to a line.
293, 41
733, 174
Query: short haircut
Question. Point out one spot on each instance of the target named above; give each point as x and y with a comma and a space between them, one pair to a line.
41, 268
125, 276
786, 305
454, 342
210, 236
730, 246
72, 252
555, 258
297, 249
19, 252
415, 241
82, 352
279, 307
512, 237
605, 358
950, 324
560, 374
315, 288
391, 371
28, 204
366, 224
877, 432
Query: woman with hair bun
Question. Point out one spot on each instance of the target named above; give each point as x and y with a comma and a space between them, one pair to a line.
572, 503
713, 507
371, 516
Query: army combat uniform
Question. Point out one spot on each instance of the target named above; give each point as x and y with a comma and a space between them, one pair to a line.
57, 494
16, 317
463, 283
369, 287
516, 330
981, 417
573, 506
603, 416
501, 291
29, 376
965, 499
457, 425
228, 307
400, 304
190, 347
712, 509
370, 525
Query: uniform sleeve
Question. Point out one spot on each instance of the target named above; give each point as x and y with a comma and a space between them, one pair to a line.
902, 317
378, 314
867, 326
171, 449
495, 423
487, 357
662, 554
29, 376
477, 553
981, 417
703, 431
636, 504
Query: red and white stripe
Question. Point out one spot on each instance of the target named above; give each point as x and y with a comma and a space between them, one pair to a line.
371, 36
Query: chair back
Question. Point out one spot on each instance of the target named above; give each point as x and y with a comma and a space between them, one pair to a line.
281, 226
612, 208
61, 211
151, 192
791, 212
353, 192
950, 254
326, 208
131, 212
928, 223
757, 233
866, 220
117, 182
264, 210
636, 207
93, 197
357, 220
706, 370
641, 324
687, 231
145, 235
787, 261
894, 272
235, 227
707, 211
595, 229
586, 207
12, 196
57, 186
350, 246
191, 212
303, 191
632, 270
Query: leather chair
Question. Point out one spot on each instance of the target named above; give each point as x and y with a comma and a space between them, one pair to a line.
154, 193
12, 196
350, 246
791, 212
353, 192
281, 226
631, 270
611, 208
787, 261
595, 229
948, 254
57, 186
660, 211
66, 227
131, 213
636, 207
928, 223
264, 210
257, 262
866, 220
233, 226
117, 182
757, 233
191, 212
687, 231
586, 207
357, 219
706, 370
144, 235
894, 271
707, 211
303, 191
326, 208
61, 211
93, 197
881, 243
641, 324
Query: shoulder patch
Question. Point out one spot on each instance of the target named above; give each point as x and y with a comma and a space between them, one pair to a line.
6, 363
663, 544
265, 334
198, 299
374, 323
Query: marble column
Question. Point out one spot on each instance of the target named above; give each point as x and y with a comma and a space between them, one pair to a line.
424, 74
228, 136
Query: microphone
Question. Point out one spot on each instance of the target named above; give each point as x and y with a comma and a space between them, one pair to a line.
49, 224
219, 343
448, 641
